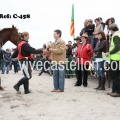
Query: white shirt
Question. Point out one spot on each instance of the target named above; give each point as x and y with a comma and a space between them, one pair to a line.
74, 50
107, 31
98, 59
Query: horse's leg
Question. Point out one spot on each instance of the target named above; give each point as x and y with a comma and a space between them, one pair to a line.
1, 86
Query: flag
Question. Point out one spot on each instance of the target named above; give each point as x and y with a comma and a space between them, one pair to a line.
72, 22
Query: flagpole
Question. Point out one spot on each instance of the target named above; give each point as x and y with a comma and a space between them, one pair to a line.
72, 30
73, 38
74, 24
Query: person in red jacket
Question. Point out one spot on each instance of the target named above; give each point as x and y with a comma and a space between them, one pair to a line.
84, 53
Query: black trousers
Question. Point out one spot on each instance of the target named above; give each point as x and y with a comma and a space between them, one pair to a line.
28, 72
82, 74
15, 66
115, 76
95, 42
44, 67
27, 76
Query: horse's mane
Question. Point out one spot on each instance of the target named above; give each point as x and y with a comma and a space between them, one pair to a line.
9, 34
6, 29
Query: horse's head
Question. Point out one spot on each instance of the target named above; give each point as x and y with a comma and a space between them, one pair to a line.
14, 37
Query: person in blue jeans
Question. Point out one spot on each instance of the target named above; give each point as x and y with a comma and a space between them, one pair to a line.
58, 55
58, 77
7, 60
6, 67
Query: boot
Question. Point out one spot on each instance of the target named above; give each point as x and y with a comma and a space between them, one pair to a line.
76, 84
102, 83
40, 74
26, 87
99, 83
20, 82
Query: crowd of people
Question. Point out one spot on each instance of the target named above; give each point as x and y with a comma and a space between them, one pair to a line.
7, 62
93, 40
104, 37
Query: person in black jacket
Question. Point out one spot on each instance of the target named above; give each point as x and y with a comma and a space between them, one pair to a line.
15, 63
2, 60
100, 47
83, 30
69, 59
114, 60
68, 51
23, 52
89, 30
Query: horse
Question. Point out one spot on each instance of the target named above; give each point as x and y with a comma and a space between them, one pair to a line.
9, 34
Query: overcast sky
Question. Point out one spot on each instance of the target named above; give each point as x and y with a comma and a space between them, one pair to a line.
48, 15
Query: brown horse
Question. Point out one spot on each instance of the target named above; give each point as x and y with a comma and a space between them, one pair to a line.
9, 34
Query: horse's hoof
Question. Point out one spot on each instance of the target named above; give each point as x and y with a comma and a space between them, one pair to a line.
1, 88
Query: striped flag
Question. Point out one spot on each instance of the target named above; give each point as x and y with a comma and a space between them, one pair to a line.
72, 22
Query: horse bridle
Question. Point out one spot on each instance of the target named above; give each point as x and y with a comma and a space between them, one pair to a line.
17, 36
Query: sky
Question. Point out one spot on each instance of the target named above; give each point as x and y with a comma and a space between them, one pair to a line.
48, 15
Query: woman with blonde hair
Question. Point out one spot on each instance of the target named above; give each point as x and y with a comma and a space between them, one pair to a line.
97, 29
23, 52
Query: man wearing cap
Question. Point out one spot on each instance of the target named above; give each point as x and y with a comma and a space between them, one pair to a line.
78, 39
115, 60
74, 51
